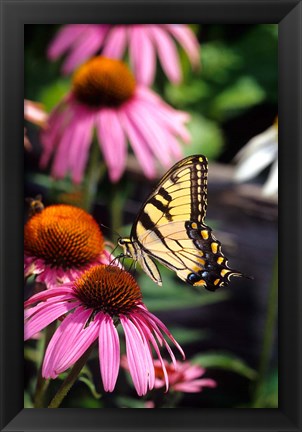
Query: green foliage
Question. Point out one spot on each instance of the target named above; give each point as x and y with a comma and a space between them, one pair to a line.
227, 361
185, 335
173, 295
268, 395
206, 137
52, 94
244, 93
235, 76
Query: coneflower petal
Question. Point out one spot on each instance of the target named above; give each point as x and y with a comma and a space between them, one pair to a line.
136, 356
109, 352
66, 333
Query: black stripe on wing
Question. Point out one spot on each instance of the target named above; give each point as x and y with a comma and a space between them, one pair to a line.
199, 180
162, 196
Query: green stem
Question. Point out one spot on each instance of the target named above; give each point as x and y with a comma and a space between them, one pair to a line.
95, 172
70, 379
269, 331
42, 384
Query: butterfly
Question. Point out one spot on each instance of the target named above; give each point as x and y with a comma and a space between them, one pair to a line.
170, 228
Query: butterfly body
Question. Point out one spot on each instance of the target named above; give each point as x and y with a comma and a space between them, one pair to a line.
170, 229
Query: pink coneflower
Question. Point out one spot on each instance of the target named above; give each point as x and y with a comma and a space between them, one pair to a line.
184, 378
105, 97
144, 41
92, 307
60, 243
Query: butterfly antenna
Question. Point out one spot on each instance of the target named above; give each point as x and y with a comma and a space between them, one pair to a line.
113, 250
110, 229
117, 258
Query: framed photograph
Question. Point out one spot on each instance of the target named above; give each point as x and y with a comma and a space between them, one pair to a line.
160, 268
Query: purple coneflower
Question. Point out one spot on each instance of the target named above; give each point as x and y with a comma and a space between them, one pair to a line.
184, 378
144, 41
105, 97
92, 307
60, 243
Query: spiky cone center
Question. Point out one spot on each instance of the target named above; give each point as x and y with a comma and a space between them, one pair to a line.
63, 236
108, 288
103, 82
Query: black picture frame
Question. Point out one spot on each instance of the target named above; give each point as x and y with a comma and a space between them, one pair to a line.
16, 13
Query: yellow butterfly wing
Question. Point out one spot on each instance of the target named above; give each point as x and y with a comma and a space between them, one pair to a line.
170, 228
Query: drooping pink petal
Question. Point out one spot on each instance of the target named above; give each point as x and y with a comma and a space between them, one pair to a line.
145, 329
160, 141
109, 352
167, 53
60, 163
112, 140
165, 114
50, 136
66, 36
77, 346
85, 47
139, 145
73, 143
142, 55
67, 345
45, 295
147, 335
192, 371
153, 135
79, 151
187, 39
136, 356
45, 316
153, 319
194, 386
28, 312
116, 41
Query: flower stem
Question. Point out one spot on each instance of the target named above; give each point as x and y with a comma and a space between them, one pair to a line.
268, 338
70, 379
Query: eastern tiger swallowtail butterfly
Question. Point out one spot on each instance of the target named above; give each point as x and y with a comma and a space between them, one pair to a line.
170, 228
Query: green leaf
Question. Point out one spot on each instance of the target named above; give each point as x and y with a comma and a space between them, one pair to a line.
87, 378
219, 62
187, 94
243, 94
28, 403
268, 396
91, 387
175, 294
185, 335
31, 354
225, 361
206, 137
54, 92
